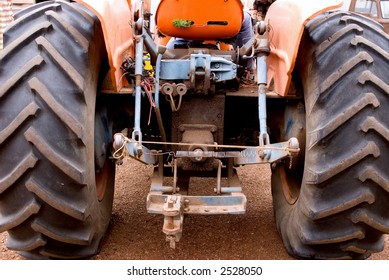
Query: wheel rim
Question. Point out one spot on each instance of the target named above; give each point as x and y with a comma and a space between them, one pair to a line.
291, 184
291, 170
102, 179
103, 165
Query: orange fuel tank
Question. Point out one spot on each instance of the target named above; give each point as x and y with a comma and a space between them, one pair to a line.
200, 19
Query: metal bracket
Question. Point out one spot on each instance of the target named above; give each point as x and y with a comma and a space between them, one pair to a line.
141, 153
166, 201
171, 91
233, 203
124, 146
269, 153
200, 70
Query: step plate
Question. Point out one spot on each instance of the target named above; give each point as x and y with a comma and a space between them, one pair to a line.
202, 205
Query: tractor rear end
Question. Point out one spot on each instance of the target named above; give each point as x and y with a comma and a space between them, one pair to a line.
297, 85
199, 127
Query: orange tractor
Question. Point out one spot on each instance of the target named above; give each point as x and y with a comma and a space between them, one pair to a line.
298, 85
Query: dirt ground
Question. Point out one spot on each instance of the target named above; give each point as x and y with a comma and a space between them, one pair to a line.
137, 235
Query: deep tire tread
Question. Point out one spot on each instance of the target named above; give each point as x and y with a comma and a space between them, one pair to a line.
57, 200
49, 70
61, 161
19, 75
353, 199
67, 68
31, 11
29, 111
377, 176
81, 236
341, 211
334, 78
369, 99
66, 117
371, 219
21, 168
73, 32
18, 218
30, 244
27, 37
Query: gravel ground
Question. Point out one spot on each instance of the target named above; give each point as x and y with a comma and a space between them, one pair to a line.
137, 235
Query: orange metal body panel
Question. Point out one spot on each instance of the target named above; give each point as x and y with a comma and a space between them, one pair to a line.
287, 19
114, 16
212, 19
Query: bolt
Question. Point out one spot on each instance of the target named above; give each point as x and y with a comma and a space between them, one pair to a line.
186, 205
198, 152
170, 222
172, 241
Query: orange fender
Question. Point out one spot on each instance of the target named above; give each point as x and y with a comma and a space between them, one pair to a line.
114, 16
287, 19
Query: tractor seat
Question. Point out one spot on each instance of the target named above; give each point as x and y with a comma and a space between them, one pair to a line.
199, 19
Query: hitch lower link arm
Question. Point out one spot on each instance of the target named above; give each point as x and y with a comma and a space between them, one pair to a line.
138, 32
262, 51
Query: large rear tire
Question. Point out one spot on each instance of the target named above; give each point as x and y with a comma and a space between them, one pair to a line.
56, 183
335, 204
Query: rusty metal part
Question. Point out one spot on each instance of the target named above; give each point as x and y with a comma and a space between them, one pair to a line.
157, 110
232, 201
164, 200
6, 17
200, 71
209, 110
124, 146
172, 91
197, 135
172, 210
269, 153
167, 201
173, 207
204, 205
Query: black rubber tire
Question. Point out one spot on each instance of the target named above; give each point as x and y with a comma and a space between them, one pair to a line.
335, 205
55, 202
